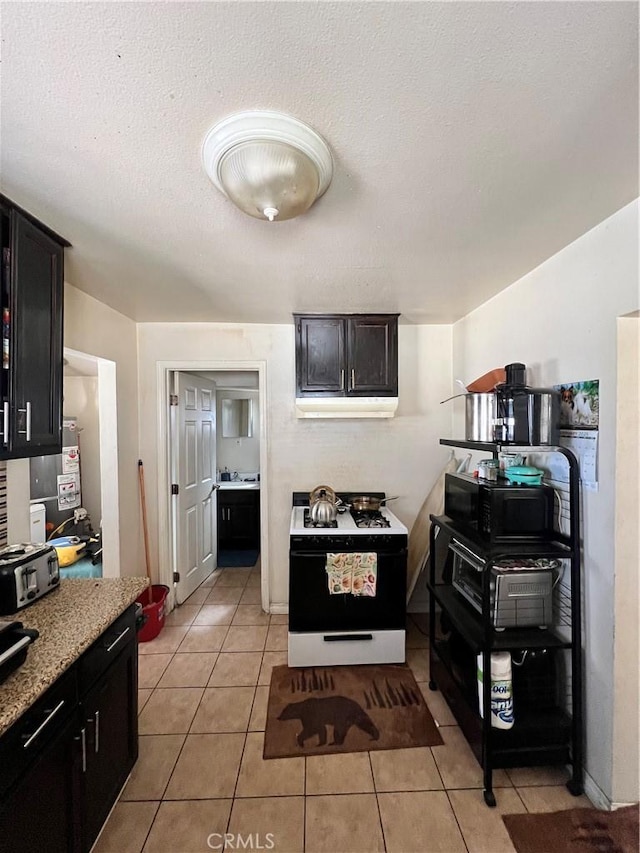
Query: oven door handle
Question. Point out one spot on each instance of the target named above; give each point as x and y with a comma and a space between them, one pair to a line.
322, 555
468, 556
340, 638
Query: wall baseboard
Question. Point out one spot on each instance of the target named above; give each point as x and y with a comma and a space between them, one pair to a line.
278, 608
596, 794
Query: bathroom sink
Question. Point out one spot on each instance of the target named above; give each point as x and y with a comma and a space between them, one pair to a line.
238, 484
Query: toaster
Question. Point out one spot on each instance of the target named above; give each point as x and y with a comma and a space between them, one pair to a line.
27, 572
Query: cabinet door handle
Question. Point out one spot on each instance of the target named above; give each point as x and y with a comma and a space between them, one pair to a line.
50, 715
83, 741
348, 638
117, 639
27, 430
5, 423
342, 380
353, 379
97, 733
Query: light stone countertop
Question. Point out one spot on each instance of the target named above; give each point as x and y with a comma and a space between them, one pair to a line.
68, 619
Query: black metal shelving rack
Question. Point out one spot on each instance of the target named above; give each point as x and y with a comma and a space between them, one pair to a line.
542, 736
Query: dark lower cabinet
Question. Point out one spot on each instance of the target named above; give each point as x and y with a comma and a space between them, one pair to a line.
39, 812
239, 519
63, 763
110, 723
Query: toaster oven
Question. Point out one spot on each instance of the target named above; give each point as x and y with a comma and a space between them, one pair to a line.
521, 591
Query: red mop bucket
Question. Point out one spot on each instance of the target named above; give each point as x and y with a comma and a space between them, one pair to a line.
153, 610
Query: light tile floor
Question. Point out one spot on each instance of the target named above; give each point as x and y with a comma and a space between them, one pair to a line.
200, 775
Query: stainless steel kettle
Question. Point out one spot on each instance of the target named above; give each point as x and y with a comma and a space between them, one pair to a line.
323, 510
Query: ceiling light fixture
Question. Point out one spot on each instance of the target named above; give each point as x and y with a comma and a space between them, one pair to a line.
271, 165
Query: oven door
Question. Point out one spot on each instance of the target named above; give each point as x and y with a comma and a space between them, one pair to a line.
313, 608
467, 574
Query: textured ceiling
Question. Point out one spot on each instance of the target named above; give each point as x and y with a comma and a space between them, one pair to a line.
471, 140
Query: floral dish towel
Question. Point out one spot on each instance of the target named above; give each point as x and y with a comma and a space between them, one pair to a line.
352, 573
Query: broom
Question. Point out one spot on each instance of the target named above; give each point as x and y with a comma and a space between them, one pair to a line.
143, 502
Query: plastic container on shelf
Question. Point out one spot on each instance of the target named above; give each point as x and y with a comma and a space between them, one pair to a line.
154, 609
501, 690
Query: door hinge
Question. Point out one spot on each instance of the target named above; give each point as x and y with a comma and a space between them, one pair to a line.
173, 399
176, 577
175, 489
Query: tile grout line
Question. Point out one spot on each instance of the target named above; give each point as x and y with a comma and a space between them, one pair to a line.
375, 794
155, 815
526, 808
304, 799
455, 817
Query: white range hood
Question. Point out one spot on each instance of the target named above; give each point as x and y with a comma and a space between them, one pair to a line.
346, 407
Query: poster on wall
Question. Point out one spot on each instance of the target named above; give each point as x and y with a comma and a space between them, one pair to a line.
579, 429
68, 491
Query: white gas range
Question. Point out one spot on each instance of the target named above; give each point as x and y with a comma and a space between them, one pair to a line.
347, 587
384, 522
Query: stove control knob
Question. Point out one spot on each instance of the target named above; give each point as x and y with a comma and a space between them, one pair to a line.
31, 594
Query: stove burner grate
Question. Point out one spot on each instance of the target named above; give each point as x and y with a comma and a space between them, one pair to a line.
370, 518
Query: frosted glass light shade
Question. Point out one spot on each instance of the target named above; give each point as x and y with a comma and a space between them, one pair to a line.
271, 165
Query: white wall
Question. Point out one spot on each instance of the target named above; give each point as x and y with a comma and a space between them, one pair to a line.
400, 456
81, 401
560, 320
94, 328
626, 721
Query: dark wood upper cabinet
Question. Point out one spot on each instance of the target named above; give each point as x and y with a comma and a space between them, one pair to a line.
346, 355
320, 351
32, 297
372, 355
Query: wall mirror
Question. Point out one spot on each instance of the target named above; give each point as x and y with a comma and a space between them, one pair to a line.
237, 418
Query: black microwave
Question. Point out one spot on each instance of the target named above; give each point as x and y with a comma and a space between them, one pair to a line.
501, 510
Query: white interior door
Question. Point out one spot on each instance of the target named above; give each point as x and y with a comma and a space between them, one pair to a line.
194, 465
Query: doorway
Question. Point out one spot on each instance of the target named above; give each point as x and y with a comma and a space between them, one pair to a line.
75, 493
241, 449
238, 463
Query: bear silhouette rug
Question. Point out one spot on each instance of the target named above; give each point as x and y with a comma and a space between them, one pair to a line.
575, 831
320, 710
